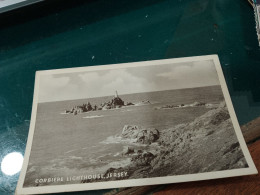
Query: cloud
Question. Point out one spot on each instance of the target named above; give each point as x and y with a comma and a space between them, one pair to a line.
46, 80
56, 88
126, 81
197, 74
120, 80
91, 84
176, 72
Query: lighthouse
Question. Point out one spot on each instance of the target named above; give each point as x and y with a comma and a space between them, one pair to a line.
116, 95
117, 102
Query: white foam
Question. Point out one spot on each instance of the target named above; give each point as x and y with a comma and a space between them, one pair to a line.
117, 154
75, 157
65, 113
127, 110
70, 151
112, 140
95, 116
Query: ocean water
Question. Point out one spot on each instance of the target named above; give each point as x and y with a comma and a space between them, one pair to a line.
87, 143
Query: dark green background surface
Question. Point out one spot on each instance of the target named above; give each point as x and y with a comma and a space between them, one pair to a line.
62, 34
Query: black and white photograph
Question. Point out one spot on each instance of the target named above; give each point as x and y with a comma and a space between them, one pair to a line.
132, 124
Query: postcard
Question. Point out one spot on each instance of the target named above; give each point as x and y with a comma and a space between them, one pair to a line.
257, 18
132, 124
6, 5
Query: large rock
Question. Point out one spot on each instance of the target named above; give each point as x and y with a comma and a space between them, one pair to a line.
198, 104
139, 134
128, 150
143, 159
117, 102
129, 104
220, 115
106, 107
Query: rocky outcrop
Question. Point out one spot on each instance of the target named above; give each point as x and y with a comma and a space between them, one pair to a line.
140, 134
206, 144
115, 102
81, 108
143, 159
128, 151
144, 102
198, 104
195, 104
129, 104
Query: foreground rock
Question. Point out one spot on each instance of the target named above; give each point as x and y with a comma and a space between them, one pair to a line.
128, 151
143, 159
140, 134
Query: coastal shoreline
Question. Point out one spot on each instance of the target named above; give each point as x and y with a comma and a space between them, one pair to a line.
172, 153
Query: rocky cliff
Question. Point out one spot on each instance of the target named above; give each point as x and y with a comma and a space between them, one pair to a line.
206, 144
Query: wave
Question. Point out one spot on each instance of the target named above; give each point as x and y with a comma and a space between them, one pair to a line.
87, 148
75, 157
127, 110
31, 169
70, 151
118, 139
95, 116
146, 102
112, 140
121, 163
117, 154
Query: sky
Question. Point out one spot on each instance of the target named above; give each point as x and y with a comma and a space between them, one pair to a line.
127, 80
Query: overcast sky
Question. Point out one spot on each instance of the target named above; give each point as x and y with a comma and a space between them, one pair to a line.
58, 87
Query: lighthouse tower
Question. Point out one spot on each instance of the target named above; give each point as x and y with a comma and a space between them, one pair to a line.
116, 95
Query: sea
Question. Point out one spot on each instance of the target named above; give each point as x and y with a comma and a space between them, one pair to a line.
89, 143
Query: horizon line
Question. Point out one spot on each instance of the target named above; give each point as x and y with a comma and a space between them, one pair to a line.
128, 94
